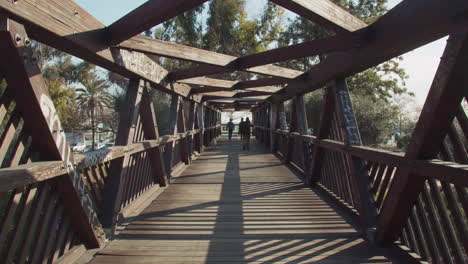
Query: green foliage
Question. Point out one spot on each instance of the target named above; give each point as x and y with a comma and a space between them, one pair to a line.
227, 30
314, 103
93, 99
382, 81
65, 104
402, 141
162, 106
60, 72
375, 118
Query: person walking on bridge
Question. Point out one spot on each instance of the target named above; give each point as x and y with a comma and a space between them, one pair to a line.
241, 129
230, 127
246, 139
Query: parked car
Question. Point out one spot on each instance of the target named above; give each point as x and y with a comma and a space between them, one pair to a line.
78, 147
100, 145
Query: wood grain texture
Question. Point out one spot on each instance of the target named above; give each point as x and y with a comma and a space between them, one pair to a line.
214, 62
405, 27
65, 26
324, 12
239, 207
149, 14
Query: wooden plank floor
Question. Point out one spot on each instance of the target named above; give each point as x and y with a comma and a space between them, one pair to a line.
232, 206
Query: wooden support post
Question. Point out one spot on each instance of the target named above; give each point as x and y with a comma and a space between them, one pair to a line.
119, 168
201, 126
323, 132
169, 151
150, 128
358, 171
181, 129
190, 127
274, 121
292, 128
302, 128
442, 104
20, 68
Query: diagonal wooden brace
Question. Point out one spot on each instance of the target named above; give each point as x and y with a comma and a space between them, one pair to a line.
22, 71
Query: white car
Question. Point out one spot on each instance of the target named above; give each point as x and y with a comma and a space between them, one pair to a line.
78, 147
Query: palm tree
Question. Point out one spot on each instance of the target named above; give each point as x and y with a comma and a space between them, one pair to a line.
92, 98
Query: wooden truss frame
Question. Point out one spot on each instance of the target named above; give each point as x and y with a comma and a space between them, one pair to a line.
388, 193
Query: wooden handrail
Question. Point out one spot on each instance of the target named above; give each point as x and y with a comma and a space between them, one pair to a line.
116, 152
436, 169
23, 175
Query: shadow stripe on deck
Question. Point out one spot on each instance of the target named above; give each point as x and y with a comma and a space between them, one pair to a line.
234, 206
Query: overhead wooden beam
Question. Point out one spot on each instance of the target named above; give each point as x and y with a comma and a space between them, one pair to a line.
219, 94
64, 25
273, 81
146, 16
306, 49
270, 89
402, 29
216, 63
264, 90
202, 90
251, 94
210, 82
442, 104
325, 13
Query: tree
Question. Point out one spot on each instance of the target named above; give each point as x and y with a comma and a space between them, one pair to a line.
64, 99
60, 72
382, 81
407, 114
371, 90
375, 119
93, 98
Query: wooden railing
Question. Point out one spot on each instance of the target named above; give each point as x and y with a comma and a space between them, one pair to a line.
36, 225
437, 227
95, 167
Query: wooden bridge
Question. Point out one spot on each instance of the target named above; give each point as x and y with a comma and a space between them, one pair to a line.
193, 196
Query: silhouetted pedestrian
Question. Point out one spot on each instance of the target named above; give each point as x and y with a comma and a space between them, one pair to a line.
230, 127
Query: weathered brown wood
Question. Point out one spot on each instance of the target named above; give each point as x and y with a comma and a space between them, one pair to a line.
293, 124
357, 171
41, 117
72, 256
149, 14
273, 81
441, 105
405, 29
324, 12
214, 63
251, 94
337, 43
324, 129
23, 175
253, 208
65, 26
181, 128
119, 169
150, 128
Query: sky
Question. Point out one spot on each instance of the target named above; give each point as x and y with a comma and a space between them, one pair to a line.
420, 64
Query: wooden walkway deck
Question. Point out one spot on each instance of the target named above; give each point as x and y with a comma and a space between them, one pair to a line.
232, 206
